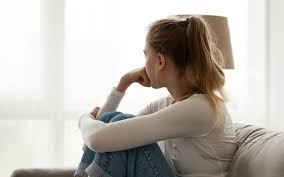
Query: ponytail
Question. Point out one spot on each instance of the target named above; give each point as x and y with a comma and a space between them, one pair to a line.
205, 74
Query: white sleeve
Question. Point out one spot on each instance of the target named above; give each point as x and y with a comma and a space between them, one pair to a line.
187, 118
146, 110
153, 106
112, 101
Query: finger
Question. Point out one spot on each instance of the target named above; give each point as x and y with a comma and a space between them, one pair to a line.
146, 79
95, 111
145, 83
145, 76
96, 108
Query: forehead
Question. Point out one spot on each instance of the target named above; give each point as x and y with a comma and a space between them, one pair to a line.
146, 47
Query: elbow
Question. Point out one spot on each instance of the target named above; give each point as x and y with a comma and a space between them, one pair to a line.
93, 144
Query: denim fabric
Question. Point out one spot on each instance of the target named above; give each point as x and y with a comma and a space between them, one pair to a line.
144, 161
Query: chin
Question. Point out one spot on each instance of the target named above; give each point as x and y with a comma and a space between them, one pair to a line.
156, 86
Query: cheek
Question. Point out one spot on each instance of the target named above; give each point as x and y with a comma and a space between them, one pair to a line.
149, 70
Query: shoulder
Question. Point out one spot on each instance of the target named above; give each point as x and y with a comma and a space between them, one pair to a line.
155, 105
192, 116
197, 100
160, 103
197, 113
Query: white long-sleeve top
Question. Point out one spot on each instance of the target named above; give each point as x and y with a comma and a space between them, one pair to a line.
192, 147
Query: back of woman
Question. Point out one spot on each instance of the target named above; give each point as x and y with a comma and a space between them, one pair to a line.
208, 154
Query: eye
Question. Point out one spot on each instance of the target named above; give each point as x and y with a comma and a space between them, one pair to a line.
144, 52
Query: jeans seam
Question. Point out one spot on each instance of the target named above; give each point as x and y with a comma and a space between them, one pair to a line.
149, 160
81, 170
109, 161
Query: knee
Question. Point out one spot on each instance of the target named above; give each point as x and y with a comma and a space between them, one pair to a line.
121, 117
107, 116
113, 116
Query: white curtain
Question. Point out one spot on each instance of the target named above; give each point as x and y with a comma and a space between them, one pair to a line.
60, 59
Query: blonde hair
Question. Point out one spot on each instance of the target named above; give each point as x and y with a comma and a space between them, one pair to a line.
189, 43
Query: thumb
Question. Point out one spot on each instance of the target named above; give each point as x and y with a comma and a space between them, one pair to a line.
146, 82
95, 111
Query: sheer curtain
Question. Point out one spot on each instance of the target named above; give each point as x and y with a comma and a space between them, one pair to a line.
60, 59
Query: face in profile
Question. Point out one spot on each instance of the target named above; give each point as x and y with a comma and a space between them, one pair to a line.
150, 64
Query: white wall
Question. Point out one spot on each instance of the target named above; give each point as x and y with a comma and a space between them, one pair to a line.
275, 55
265, 54
256, 102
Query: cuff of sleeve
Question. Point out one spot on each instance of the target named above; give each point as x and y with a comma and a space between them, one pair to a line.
117, 93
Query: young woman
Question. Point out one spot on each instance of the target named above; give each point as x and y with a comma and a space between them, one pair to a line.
193, 121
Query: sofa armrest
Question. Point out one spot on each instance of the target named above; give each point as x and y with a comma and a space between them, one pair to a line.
44, 172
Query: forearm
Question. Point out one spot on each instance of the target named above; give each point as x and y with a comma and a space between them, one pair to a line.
123, 84
115, 96
112, 102
113, 99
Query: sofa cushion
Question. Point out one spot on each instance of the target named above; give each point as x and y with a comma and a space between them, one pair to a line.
44, 172
260, 152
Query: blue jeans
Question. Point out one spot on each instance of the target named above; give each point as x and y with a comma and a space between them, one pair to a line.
144, 161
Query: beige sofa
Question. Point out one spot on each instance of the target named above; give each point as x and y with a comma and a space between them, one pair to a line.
260, 154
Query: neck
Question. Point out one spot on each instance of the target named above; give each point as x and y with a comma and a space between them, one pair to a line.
179, 90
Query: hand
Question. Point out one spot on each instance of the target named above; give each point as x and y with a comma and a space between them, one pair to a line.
95, 111
137, 75
140, 76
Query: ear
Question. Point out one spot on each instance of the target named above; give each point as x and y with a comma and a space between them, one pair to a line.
161, 59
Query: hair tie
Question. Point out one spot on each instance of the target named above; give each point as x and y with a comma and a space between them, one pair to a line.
186, 22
